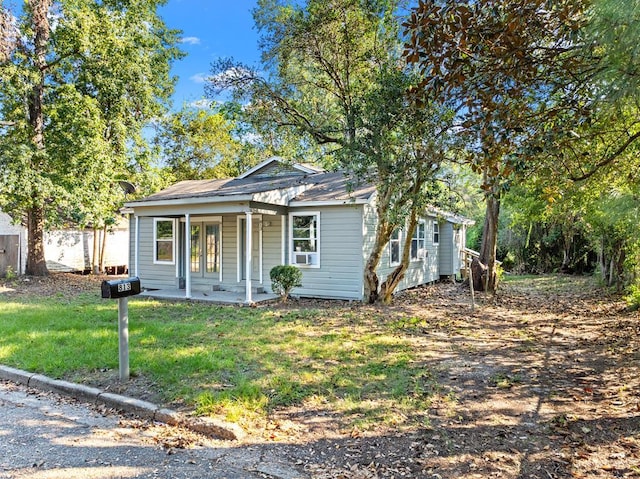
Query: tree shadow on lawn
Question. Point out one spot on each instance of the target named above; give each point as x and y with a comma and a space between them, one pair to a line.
526, 387
533, 384
548, 393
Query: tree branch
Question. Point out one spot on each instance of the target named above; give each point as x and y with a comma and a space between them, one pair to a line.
609, 159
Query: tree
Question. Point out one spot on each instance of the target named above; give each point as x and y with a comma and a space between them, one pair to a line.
509, 69
80, 79
198, 144
332, 77
614, 28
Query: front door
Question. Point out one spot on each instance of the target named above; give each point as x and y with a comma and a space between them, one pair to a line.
255, 249
206, 250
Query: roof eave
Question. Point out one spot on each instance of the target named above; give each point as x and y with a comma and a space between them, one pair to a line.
192, 200
337, 202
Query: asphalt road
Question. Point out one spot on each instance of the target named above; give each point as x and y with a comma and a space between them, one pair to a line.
46, 436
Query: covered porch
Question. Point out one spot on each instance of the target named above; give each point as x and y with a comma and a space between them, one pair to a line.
214, 297
219, 256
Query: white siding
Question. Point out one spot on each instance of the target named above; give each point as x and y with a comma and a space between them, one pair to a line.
419, 272
153, 276
341, 260
72, 250
447, 265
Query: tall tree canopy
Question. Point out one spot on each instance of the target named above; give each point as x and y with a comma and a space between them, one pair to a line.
80, 80
511, 69
333, 76
199, 143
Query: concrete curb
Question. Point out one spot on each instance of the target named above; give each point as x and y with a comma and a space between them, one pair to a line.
144, 409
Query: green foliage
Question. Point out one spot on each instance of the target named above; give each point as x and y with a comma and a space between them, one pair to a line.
284, 278
74, 104
10, 273
199, 144
633, 295
614, 30
333, 84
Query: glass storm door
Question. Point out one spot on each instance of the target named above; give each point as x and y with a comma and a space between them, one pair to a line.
205, 259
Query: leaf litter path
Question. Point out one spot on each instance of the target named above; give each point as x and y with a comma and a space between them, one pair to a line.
540, 382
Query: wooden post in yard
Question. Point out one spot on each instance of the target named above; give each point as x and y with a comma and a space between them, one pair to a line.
473, 296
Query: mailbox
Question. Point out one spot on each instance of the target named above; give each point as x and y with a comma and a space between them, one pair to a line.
121, 288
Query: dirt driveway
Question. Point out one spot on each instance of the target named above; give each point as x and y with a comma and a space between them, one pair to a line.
541, 382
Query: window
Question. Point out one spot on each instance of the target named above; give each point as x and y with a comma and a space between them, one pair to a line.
394, 247
164, 244
418, 250
304, 228
195, 248
213, 239
436, 232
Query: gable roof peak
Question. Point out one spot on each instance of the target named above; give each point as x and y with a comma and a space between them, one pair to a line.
277, 161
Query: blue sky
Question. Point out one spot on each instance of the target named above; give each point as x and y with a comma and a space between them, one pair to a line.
211, 29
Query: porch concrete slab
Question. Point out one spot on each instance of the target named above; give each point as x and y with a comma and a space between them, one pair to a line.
216, 297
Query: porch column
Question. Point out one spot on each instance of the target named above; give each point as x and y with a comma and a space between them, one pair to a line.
187, 253
247, 254
136, 249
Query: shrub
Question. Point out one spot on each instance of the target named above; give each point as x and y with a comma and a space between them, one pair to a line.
284, 278
10, 275
633, 296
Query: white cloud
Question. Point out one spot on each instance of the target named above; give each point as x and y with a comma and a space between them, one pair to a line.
233, 73
202, 104
199, 78
190, 40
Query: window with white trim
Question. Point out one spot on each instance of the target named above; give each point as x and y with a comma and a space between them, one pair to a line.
418, 247
304, 228
394, 247
164, 241
436, 232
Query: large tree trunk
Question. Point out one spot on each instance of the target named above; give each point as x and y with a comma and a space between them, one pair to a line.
393, 279
36, 263
383, 233
489, 247
371, 280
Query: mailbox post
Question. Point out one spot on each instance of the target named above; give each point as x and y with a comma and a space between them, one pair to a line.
121, 290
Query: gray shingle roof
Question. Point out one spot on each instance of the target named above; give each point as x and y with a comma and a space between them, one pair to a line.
321, 187
335, 187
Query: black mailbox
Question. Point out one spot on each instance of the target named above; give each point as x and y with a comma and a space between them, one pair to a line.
121, 288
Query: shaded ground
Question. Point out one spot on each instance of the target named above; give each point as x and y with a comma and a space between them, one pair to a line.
541, 382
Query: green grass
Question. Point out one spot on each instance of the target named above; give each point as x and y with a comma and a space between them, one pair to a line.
552, 283
240, 363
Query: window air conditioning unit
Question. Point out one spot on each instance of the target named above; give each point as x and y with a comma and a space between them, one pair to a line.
302, 258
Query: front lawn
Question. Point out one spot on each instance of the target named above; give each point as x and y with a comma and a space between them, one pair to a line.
237, 363
541, 380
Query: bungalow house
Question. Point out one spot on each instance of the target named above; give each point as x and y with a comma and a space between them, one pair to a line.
203, 236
